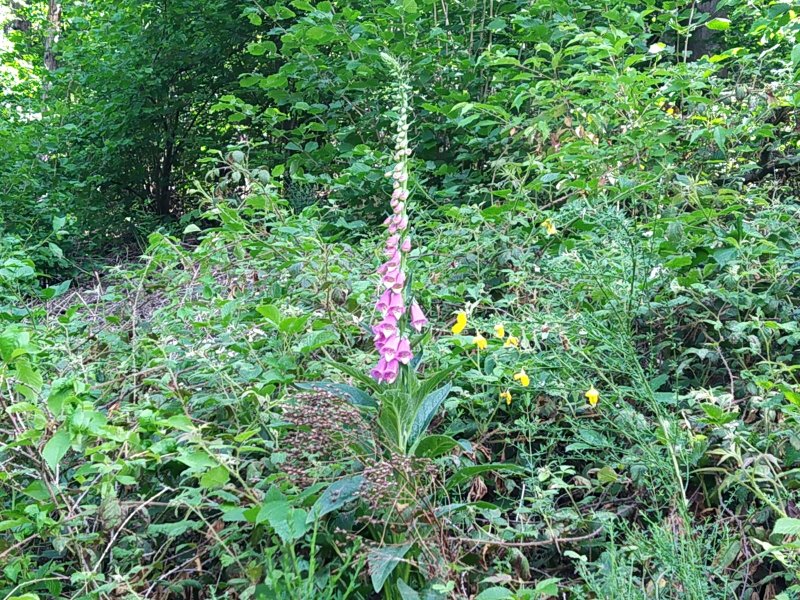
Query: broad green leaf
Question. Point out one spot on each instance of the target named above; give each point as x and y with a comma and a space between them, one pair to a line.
317, 339
271, 313
174, 529
197, 459
720, 136
335, 496
427, 410
547, 587
382, 561
55, 448
59, 396
787, 526
27, 375
406, 592
432, 446
293, 325
719, 24
494, 593
215, 478
288, 522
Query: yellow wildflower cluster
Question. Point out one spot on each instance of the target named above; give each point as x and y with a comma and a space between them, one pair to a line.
510, 341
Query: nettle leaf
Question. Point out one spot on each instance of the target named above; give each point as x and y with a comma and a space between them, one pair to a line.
28, 375
56, 447
382, 561
293, 325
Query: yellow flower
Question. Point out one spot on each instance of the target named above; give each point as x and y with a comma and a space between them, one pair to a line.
461, 322
511, 341
592, 395
500, 331
549, 227
480, 341
523, 378
506, 396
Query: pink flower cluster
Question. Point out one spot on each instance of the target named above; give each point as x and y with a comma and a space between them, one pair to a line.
392, 345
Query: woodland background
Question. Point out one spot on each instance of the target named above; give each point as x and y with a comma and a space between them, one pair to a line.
190, 200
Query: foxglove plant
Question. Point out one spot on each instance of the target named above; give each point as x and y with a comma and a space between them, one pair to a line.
405, 409
396, 315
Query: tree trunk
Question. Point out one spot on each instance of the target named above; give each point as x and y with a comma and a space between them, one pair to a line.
164, 181
53, 26
701, 40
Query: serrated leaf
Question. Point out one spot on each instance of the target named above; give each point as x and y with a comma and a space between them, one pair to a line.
317, 339
271, 313
174, 529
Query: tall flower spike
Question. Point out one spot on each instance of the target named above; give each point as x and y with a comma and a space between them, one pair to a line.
393, 346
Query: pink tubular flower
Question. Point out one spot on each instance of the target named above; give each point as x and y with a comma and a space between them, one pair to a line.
404, 354
397, 307
383, 302
385, 371
418, 318
392, 344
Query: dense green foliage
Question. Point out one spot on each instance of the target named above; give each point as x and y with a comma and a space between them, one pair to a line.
613, 183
